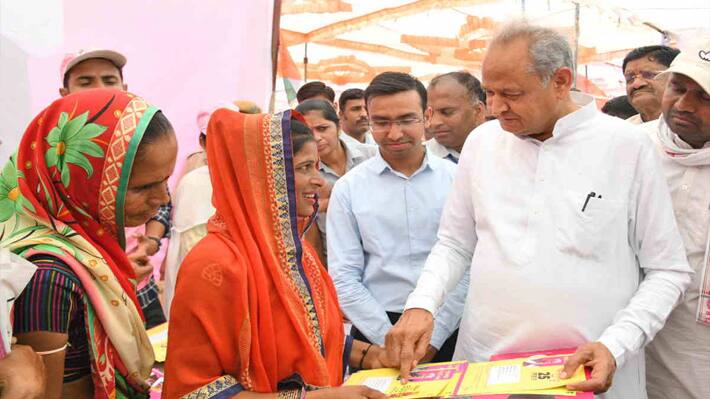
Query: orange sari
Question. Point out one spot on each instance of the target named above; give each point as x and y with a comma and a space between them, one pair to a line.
254, 309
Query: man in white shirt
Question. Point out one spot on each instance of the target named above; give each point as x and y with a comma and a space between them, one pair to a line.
565, 222
354, 122
641, 66
456, 107
678, 359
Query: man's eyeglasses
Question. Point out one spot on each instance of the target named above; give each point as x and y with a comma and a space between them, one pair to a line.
646, 75
386, 125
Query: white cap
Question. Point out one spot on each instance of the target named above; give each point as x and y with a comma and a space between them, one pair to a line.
70, 60
694, 62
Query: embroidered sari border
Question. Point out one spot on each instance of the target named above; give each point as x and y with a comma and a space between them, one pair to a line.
126, 171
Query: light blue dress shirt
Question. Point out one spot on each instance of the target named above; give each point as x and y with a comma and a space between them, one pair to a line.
381, 227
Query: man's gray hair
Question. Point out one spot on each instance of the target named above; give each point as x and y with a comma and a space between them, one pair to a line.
548, 49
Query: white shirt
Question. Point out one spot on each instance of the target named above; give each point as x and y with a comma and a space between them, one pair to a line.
433, 147
635, 119
369, 140
15, 273
544, 274
678, 359
192, 208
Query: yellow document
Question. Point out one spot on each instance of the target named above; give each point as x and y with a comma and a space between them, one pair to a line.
427, 380
532, 375
158, 337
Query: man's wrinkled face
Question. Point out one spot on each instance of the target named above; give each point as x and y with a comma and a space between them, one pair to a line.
643, 88
516, 96
93, 73
686, 109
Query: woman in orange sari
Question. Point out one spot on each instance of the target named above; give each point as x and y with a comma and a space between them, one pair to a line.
255, 314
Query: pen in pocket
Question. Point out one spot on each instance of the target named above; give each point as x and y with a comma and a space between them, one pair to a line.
589, 196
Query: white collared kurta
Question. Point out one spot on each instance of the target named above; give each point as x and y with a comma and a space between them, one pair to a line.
543, 272
678, 359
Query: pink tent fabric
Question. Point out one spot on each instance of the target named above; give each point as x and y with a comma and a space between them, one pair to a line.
183, 56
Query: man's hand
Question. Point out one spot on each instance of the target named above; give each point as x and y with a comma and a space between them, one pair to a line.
602, 362
140, 260
147, 245
408, 341
22, 374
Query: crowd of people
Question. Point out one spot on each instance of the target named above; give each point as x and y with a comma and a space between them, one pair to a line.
400, 225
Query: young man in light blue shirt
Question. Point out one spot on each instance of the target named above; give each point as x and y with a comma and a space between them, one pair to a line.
383, 217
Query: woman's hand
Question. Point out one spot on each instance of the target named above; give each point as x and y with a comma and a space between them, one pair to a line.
349, 392
22, 374
375, 358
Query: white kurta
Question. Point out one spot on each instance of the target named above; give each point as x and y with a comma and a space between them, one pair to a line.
678, 359
192, 208
544, 273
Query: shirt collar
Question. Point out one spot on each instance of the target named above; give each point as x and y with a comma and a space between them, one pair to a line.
570, 122
439, 150
379, 165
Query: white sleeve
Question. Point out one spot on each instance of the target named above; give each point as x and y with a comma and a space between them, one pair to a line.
453, 251
654, 235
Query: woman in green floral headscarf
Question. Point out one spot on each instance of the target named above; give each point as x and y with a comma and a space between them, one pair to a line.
89, 165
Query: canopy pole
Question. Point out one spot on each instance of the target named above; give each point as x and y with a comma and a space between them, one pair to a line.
576, 44
522, 6
305, 63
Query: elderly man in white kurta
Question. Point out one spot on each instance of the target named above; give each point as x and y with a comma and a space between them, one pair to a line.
678, 359
566, 225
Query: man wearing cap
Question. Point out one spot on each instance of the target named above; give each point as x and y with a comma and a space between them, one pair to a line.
678, 359
93, 69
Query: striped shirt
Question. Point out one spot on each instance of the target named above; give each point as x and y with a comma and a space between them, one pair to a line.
54, 301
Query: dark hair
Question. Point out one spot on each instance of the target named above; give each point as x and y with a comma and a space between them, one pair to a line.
314, 89
619, 107
66, 74
350, 94
300, 135
158, 127
663, 55
468, 81
388, 83
323, 106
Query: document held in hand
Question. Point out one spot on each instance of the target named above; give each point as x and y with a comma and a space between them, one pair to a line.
528, 375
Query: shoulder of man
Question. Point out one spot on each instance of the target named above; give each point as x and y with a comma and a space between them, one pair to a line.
363, 150
446, 166
624, 131
481, 136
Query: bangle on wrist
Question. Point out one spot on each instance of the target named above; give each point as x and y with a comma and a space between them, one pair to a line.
292, 394
364, 353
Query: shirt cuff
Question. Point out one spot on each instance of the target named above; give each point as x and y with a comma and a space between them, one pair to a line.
615, 346
421, 302
438, 337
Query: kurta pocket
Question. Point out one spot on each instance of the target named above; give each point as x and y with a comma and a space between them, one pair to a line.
584, 231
